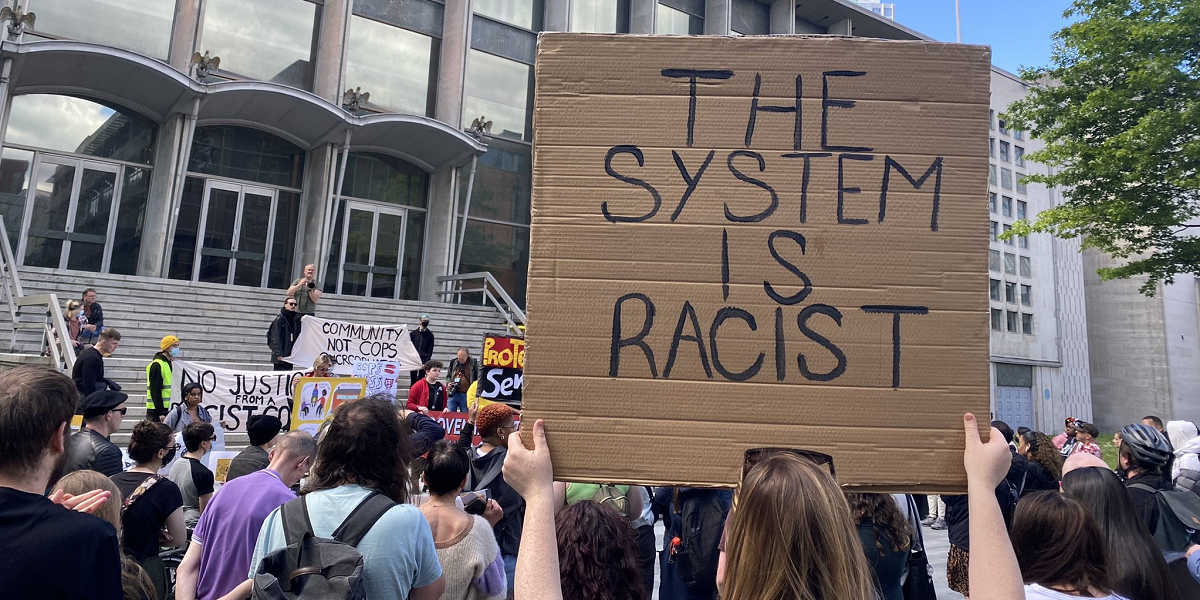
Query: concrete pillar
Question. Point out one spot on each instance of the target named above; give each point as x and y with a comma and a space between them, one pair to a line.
557, 15
642, 16
452, 62
185, 31
843, 27
439, 233
783, 17
327, 68
157, 221
718, 17
314, 208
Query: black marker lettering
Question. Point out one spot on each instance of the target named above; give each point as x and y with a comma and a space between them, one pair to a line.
802, 322
688, 313
762, 165
807, 156
896, 311
843, 190
826, 102
799, 296
725, 263
731, 312
754, 108
637, 153
936, 167
691, 182
693, 75
780, 347
618, 342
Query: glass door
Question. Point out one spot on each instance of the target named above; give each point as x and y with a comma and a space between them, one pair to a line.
70, 214
372, 250
235, 234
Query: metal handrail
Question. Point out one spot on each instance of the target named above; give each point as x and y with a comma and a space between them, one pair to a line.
490, 289
10, 281
56, 339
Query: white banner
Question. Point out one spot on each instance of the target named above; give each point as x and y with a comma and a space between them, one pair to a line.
349, 343
382, 376
232, 396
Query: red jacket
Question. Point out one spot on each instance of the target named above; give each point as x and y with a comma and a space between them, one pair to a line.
418, 395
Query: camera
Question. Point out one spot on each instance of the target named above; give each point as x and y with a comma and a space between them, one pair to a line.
311, 285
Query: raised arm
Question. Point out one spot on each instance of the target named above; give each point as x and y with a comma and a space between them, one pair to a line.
994, 572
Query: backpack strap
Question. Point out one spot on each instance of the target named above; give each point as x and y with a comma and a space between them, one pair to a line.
363, 518
140, 490
491, 474
1143, 487
296, 524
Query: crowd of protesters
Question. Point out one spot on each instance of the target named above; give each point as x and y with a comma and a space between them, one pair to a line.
380, 503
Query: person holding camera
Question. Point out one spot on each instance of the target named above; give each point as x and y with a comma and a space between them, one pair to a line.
472, 566
306, 291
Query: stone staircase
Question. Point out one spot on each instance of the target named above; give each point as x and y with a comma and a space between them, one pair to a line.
225, 325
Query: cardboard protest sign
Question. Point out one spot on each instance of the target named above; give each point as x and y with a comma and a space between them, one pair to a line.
232, 396
382, 376
767, 241
502, 371
317, 397
348, 343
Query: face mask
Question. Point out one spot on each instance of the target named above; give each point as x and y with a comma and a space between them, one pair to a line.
176, 352
424, 323
169, 457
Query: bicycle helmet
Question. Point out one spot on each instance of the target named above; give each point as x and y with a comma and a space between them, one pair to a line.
1146, 445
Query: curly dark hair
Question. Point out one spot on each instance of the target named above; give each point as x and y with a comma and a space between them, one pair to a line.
597, 554
1043, 452
881, 511
147, 439
365, 444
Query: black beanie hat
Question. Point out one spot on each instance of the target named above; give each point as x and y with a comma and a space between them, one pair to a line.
262, 429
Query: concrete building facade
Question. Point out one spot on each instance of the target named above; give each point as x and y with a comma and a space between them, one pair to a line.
1145, 351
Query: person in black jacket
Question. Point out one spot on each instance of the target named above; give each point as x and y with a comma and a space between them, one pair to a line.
281, 335
88, 371
496, 422
422, 339
1145, 458
89, 448
1043, 463
94, 317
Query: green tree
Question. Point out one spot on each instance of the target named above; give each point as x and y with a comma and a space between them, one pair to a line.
1119, 112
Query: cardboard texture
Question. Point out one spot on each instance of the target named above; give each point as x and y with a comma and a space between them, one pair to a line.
706, 278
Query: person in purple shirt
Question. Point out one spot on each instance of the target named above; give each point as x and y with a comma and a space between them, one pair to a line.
219, 554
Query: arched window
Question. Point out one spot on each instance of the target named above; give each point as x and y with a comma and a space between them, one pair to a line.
379, 231
240, 208
74, 181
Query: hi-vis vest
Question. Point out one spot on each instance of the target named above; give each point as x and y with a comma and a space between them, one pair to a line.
164, 367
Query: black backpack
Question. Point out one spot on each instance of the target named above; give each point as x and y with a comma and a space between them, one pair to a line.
1178, 518
701, 514
315, 568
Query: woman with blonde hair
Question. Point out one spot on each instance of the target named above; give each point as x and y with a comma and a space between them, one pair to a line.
135, 583
791, 535
74, 324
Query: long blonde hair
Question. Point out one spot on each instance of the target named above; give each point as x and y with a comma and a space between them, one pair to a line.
791, 536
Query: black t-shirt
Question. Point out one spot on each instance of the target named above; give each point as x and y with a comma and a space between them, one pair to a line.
148, 514
51, 553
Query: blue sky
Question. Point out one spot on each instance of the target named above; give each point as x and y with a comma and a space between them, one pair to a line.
1017, 30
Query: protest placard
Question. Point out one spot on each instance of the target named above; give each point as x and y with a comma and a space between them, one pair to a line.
348, 343
382, 376
761, 241
502, 371
232, 396
317, 397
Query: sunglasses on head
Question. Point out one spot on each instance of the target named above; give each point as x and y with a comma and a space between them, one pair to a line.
757, 455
